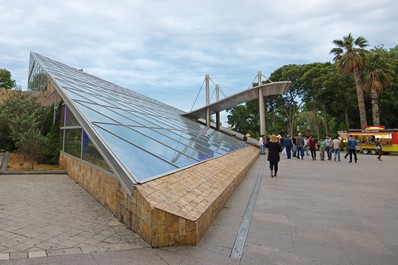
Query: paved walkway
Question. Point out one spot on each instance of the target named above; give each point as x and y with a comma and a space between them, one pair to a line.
51, 215
315, 212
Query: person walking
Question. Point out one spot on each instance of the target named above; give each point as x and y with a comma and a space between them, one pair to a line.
351, 144
274, 148
300, 146
312, 143
294, 148
322, 147
262, 144
288, 146
306, 143
379, 149
336, 147
328, 147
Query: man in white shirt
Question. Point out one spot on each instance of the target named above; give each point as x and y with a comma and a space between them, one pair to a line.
336, 147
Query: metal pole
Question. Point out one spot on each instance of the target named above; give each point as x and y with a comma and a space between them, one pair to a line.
207, 101
217, 113
261, 106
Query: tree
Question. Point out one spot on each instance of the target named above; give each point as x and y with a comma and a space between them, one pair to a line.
350, 57
5, 79
24, 117
51, 131
313, 80
339, 97
328, 92
378, 73
30, 144
289, 103
389, 99
245, 119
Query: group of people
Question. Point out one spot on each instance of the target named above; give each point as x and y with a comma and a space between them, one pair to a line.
299, 145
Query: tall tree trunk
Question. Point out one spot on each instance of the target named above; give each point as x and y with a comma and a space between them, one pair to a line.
315, 117
326, 120
347, 122
290, 117
361, 100
375, 107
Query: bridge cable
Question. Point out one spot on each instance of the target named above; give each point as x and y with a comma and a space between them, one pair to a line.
197, 95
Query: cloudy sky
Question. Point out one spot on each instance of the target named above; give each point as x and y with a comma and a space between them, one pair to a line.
163, 49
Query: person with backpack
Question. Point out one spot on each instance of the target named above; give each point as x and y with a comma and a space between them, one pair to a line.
288, 146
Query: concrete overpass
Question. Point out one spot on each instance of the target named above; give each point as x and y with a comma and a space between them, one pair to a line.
261, 91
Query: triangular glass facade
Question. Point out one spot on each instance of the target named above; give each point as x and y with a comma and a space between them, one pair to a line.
139, 138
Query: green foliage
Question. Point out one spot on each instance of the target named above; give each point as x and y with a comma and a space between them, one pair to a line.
22, 112
350, 53
350, 57
5, 79
50, 152
323, 99
23, 126
389, 107
6, 143
37, 82
289, 104
244, 119
30, 144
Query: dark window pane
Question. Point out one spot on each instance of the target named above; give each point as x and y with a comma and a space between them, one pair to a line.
73, 142
91, 155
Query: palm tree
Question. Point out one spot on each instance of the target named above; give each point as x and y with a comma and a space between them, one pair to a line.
350, 56
378, 73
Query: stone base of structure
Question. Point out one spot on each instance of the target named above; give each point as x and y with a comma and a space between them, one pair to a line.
176, 209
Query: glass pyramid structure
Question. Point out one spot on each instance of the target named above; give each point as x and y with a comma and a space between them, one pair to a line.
138, 138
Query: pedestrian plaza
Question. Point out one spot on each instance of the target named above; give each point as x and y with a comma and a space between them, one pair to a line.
314, 212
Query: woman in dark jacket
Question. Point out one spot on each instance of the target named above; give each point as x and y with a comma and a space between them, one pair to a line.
274, 148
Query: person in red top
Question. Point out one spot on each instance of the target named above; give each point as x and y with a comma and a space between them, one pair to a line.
312, 147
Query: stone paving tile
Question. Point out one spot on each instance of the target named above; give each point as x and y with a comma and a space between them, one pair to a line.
344, 214
37, 254
4, 256
59, 218
73, 251
18, 255
55, 252
88, 249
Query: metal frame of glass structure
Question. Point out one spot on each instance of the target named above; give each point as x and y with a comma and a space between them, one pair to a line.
139, 138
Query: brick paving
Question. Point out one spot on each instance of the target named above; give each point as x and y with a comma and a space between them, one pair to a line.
51, 215
314, 212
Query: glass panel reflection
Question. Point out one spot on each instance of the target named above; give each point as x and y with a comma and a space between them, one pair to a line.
69, 119
136, 159
91, 155
146, 137
152, 146
73, 142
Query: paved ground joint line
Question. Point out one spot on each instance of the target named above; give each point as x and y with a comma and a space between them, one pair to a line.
240, 240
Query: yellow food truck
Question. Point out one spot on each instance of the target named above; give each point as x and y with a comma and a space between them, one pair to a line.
366, 139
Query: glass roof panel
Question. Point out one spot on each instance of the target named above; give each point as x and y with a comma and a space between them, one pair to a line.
177, 144
153, 146
135, 159
148, 137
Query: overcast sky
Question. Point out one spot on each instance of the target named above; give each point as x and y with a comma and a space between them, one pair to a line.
163, 49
